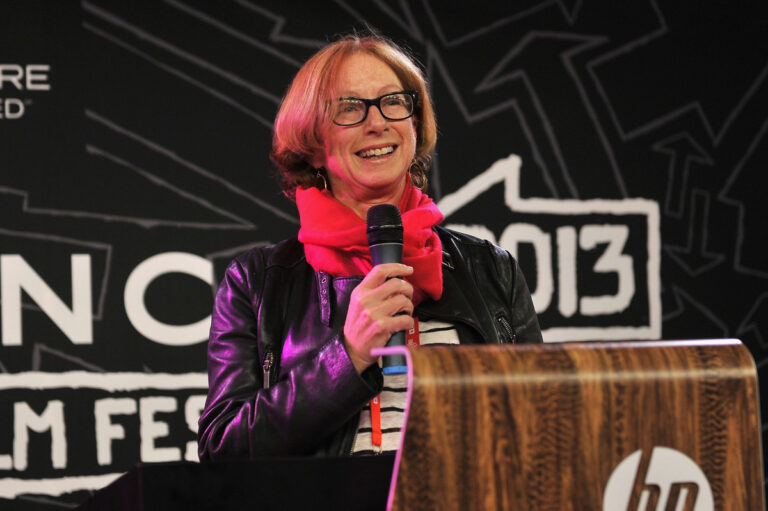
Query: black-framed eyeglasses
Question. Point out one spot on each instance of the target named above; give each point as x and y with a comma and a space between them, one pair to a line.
394, 106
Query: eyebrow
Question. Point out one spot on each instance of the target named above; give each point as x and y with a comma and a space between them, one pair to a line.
391, 88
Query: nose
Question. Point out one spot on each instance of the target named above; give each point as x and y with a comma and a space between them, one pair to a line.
375, 122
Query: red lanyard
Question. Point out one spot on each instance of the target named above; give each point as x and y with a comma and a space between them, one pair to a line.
376, 423
411, 339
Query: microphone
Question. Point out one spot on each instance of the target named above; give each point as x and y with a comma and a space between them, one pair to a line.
385, 240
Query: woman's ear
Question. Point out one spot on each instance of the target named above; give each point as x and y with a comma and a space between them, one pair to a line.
317, 160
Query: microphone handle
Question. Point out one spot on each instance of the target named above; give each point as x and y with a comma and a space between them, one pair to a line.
395, 364
391, 253
382, 253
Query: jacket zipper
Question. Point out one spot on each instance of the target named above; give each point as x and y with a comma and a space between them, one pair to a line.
269, 360
511, 336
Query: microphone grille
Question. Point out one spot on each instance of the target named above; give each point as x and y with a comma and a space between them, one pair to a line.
383, 214
384, 224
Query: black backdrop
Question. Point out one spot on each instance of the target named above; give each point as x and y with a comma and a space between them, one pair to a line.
617, 147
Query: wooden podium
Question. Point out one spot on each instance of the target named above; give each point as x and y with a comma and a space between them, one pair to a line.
609, 426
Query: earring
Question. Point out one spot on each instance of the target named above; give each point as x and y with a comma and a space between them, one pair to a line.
417, 175
319, 175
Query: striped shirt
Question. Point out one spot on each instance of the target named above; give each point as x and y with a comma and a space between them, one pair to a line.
394, 393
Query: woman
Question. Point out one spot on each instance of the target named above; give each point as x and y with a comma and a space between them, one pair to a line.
290, 369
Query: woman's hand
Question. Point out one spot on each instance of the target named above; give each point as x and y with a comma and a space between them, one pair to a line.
371, 318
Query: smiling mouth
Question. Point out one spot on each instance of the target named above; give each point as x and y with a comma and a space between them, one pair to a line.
378, 152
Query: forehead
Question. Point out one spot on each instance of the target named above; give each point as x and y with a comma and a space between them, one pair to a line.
365, 75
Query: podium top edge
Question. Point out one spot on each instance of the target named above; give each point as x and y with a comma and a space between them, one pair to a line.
670, 343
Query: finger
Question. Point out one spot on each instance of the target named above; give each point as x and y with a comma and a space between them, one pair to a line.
394, 287
404, 322
380, 300
381, 272
398, 323
394, 305
379, 331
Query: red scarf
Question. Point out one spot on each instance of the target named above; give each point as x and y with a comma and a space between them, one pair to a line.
335, 241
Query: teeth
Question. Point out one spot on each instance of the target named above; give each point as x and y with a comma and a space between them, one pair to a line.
376, 152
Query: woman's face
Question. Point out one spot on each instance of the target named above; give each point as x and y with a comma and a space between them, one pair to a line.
358, 178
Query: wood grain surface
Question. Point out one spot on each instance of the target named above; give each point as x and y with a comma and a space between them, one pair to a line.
542, 427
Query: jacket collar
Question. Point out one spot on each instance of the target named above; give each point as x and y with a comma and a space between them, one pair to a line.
464, 301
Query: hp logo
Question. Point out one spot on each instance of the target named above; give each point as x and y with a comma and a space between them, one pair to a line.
668, 481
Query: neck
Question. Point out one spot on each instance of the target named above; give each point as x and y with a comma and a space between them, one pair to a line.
361, 205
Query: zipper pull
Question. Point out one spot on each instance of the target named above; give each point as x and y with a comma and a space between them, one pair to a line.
511, 335
267, 367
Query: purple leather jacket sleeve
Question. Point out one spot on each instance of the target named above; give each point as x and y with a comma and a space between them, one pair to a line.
243, 418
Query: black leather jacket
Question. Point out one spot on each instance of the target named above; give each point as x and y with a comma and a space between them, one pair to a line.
280, 379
